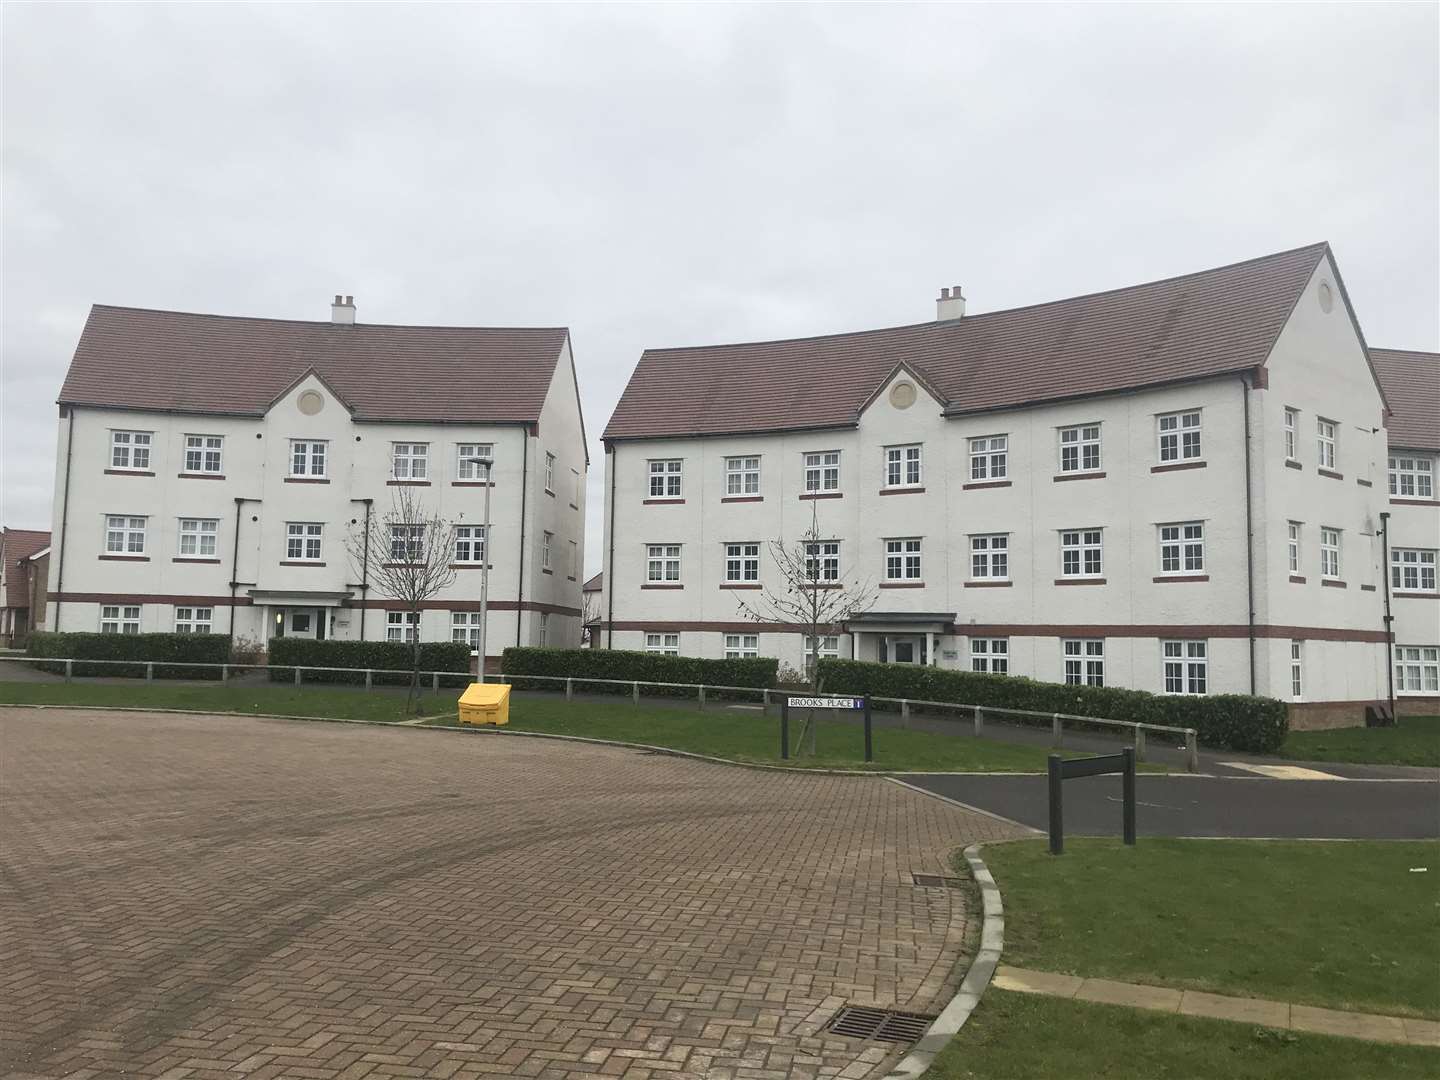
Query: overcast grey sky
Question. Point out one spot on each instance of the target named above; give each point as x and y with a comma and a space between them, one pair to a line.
671, 175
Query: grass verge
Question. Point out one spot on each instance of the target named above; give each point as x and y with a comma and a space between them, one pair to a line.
1414, 741
1341, 925
1013, 1036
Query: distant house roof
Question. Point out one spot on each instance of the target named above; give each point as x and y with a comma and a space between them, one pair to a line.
175, 361
1412, 385
595, 584
19, 544
1214, 322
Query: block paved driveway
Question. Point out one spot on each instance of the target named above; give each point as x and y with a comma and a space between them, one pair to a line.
195, 896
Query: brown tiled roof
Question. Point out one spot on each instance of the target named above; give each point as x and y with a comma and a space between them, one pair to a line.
1412, 385
171, 360
20, 544
1209, 323
595, 584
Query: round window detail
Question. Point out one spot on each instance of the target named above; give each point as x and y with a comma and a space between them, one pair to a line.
1327, 297
311, 402
902, 395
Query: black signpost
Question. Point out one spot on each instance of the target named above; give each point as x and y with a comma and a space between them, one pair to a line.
787, 703
1062, 770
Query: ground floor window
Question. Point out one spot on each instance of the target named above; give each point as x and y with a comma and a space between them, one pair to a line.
465, 627
1185, 667
665, 644
1084, 661
829, 647
738, 646
402, 626
544, 629
1297, 669
118, 619
193, 620
990, 655
1417, 669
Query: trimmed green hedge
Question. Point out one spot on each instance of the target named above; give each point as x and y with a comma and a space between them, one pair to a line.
359, 655
189, 648
623, 664
1221, 721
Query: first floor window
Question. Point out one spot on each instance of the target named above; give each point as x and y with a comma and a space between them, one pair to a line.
307, 457
822, 560
664, 644
1081, 553
742, 562
1292, 423
1412, 569
1297, 669
124, 535
989, 457
407, 543
1293, 532
662, 563
197, 536
193, 620
1179, 436
822, 471
465, 464
130, 449
119, 619
990, 557
990, 655
1085, 661
302, 541
202, 453
902, 560
1080, 448
544, 629
547, 541
1417, 669
465, 628
1412, 477
742, 476
410, 461
1185, 664
469, 543
665, 478
1329, 552
738, 646
402, 626
902, 466
1182, 548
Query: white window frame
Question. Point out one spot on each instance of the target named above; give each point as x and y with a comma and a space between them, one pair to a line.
193, 619
822, 471
1413, 564
120, 618
990, 457
1292, 434
665, 643
1297, 670
662, 564
125, 535
742, 475
131, 451
1185, 666
903, 558
1331, 542
1178, 437
304, 541
574, 560
1080, 448
1294, 534
309, 458
547, 541
990, 557
543, 638
575, 488
904, 466
469, 545
1412, 476
1182, 548
742, 563
410, 461
197, 538
1326, 432
742, 646
465, 469
1417, 669
402, 626
1088, 548
407, 543
1084, 661
666, 478
465, 628
550, 472
990, 656
204, 455
822, 561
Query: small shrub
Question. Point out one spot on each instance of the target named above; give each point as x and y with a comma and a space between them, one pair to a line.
141, 648
628, 665
395, 656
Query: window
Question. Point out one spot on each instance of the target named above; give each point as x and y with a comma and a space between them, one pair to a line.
407, 543
822, 472
1329, 552
1412, 569
575, 488
544, 629
402, 626
990, 655
665, 478
822, 560
664, 644
989, 457
1081, 554
990, 557
1412, 477
1293, 531
902, 466
124, 535
1292, 424
202, 454
1080, 448
1085, 661
547, 541
902, 559
742, 562
1297, 669
193, 620
470, 543
739, 646
1179, 435
550, 473
1185, 665
829, 648
302, 541
1182, 548
307, 458
742, 476
119, 620
662, 562
1417, 669
465, 468
1325, 442
574, 560
409, 460
465, 628
197, 537
130, 449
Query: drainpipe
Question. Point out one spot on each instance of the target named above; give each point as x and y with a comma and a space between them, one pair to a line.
610, 568
1249, 532
240, 501
64, 517
524, 498
365, 566
1389, 618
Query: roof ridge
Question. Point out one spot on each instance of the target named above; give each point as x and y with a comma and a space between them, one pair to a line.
1410, 352
318, 322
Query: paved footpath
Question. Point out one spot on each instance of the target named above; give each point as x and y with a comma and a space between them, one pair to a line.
200, 897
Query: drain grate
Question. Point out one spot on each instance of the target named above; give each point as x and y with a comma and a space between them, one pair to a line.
935, 881
883, 1025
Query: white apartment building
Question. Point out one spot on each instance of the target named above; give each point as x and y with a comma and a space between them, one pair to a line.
211, 470
1062, 491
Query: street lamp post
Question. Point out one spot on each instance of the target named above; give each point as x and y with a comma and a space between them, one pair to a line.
488, 464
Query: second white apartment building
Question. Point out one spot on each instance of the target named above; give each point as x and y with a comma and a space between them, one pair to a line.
1175, 487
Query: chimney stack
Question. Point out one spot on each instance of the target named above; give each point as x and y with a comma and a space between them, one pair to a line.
950, 305
342, 310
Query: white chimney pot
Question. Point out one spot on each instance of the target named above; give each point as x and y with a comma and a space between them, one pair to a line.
950, 305
342, 310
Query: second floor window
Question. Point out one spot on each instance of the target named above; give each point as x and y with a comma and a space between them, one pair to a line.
1293, 545
202, 454
1081, 553
197, 536
1292, 425
662, 563
822, 472
665, 478
470, 544
989, 457
1179, 435
1329, 552
742, 476
1080, 448
307, 457
465, 455
1412, 477
407, 543
990, 557
1182, 548
124, 535
550, 473
1085, 661
1413, 569
902, 559
302, 541
822, 560
130, 449
742, 562
902, 466
1325, 443
409, 460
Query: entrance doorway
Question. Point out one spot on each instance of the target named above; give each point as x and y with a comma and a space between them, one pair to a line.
299, 622
904, 649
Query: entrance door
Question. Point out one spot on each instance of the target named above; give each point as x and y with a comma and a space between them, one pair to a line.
904, 649
298, 622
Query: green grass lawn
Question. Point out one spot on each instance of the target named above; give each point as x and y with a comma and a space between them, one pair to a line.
1343, 925
1414, 741
1025, 1037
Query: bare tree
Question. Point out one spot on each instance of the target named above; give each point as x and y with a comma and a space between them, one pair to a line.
590, 612
410, 552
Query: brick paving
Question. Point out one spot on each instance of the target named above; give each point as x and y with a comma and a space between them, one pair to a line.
204, 897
